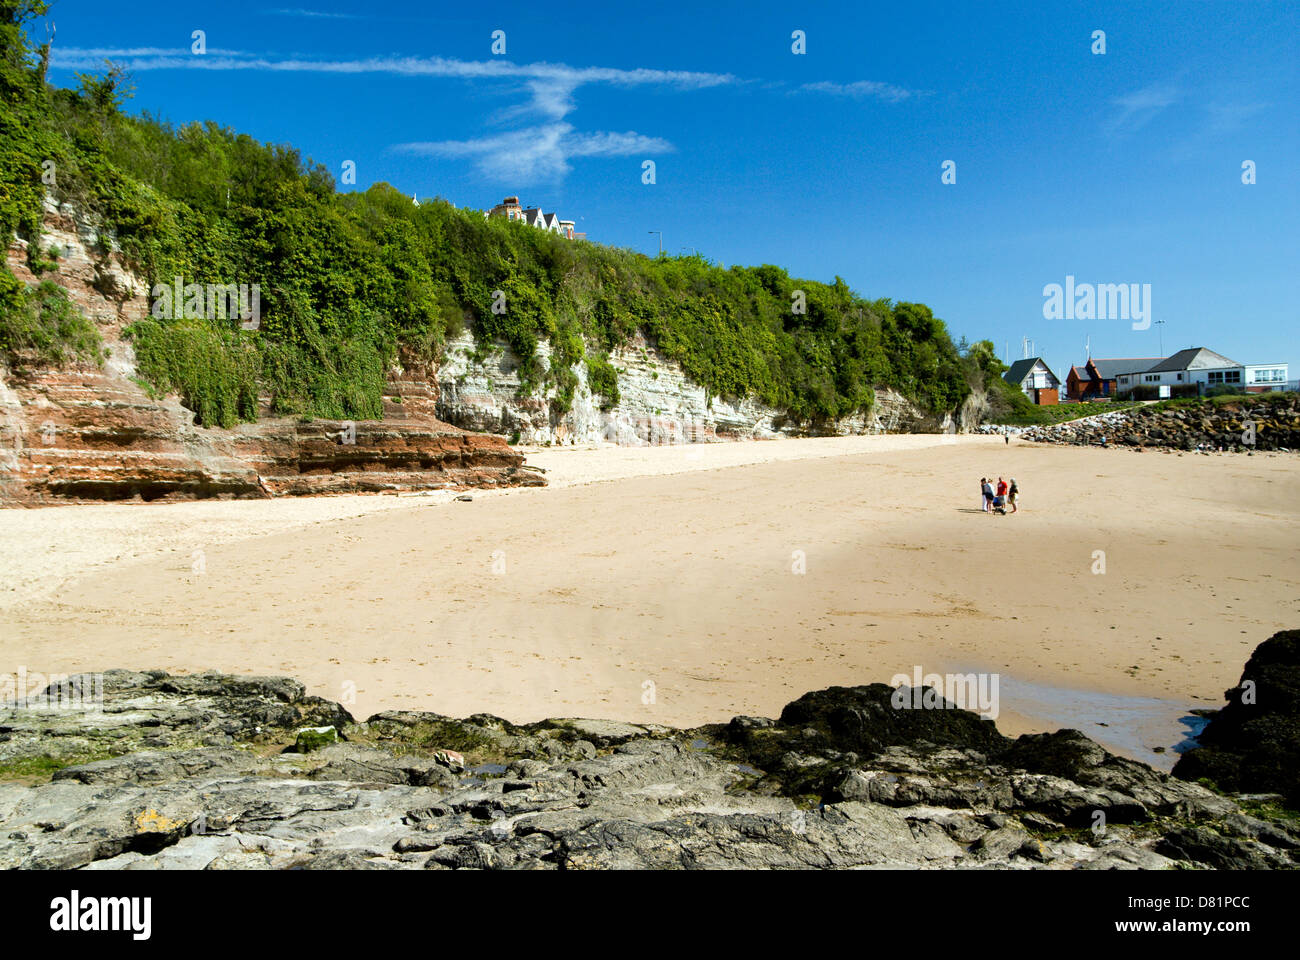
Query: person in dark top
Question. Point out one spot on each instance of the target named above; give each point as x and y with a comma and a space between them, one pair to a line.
1012, 494
987, 489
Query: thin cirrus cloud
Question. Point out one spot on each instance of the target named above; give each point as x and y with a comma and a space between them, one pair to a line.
1211, 113
1137, 109
864, 89
537, 152
314, 14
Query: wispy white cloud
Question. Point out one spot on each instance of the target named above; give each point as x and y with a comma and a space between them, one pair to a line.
541, 151
298, 12
81, 57
865, 89
1225, 117
552, 76
538, 153
1140, 107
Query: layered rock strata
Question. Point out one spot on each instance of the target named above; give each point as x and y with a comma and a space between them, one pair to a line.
89, 432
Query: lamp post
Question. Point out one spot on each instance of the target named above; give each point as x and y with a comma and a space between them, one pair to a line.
1162, 337
661, 240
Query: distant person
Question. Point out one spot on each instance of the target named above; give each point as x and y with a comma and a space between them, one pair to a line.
1013, 494
1006, 435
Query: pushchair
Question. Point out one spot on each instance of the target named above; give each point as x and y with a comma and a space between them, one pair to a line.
1000, 505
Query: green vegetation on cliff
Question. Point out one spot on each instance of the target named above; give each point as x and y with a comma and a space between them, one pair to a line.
351, 282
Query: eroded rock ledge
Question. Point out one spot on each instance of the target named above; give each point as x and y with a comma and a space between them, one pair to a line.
224, 772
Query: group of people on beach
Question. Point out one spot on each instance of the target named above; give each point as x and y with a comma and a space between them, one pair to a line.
997, 499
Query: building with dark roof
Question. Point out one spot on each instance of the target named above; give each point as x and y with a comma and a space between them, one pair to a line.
1096, 379
1188, 372
1036, 379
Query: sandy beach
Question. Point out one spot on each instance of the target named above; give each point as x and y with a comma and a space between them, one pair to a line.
661, 584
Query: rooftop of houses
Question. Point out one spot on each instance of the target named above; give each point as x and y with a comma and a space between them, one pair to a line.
1108, 368
511, 209
1020, 369
1193, 358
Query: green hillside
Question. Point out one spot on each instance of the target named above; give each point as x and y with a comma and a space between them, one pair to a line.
350, 281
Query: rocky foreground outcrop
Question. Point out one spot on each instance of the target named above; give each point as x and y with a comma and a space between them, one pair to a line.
148, 771
86, 432
1247, 423
1253, 743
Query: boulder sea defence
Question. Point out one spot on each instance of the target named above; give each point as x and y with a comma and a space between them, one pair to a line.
1244, 423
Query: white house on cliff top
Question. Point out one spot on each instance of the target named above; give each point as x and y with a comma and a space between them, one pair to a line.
534, 217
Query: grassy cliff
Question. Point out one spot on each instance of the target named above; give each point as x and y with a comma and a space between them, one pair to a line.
350, 281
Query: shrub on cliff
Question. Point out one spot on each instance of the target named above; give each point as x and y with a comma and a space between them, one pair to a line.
40, 326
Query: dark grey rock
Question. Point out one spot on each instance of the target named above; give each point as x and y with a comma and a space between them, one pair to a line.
838, 782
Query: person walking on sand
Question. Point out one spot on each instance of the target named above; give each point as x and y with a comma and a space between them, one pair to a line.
1012, 494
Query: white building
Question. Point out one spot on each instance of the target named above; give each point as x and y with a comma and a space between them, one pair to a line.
535, 217
1197, 369
1266, 377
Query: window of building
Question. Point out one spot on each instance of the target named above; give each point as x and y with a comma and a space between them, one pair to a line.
1152, 378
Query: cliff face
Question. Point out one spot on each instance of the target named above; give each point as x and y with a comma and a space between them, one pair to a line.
94, 433
659, 403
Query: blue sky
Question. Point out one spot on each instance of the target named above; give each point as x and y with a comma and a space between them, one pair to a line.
1117, 168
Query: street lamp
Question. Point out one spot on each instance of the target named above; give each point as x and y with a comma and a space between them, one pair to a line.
661, 240
1162, 337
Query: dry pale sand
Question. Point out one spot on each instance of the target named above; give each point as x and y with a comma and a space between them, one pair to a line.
674, 566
